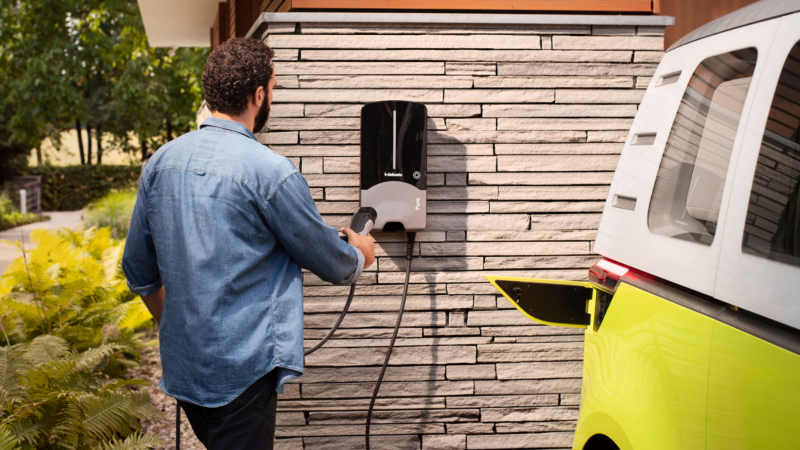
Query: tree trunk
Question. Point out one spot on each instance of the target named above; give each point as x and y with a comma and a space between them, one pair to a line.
39, 155
88, 144
169, 130
99, 136
144, 149
78, 128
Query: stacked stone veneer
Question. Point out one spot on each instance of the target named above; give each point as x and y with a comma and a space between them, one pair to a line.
526, 126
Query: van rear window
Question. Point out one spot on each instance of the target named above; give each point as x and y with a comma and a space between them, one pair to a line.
691, 177
772, 229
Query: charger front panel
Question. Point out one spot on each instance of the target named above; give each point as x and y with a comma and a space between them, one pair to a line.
394, 162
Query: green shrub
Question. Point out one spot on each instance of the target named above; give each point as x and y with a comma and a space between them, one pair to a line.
56, 398
6, 204
113, 211
10, 217
71, 285
71, 188
68, 327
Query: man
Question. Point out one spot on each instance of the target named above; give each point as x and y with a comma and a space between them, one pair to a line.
224, 225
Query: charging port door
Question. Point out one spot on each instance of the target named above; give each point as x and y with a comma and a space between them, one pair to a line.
551, 302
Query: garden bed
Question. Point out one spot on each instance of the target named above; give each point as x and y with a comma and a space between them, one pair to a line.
15, 219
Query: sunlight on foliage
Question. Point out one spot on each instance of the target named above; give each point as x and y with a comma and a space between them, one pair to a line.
71, 286
69, 328
113, 211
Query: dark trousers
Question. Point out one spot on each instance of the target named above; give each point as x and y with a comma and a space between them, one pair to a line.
248, 422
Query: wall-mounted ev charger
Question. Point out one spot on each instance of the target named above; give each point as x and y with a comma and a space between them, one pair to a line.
394, 178
394, 153
394, 163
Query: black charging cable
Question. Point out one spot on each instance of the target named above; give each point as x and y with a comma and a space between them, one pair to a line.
409, 254
363, 221
177, 425
336, 325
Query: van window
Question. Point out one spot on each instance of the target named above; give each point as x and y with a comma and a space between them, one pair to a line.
688, 191
772, 229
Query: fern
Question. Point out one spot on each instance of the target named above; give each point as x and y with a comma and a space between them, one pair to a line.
64, 403
135, 441
71, 286
7, 440
69, 330
45, 349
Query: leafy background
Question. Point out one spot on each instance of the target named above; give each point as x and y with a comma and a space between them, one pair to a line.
86, 64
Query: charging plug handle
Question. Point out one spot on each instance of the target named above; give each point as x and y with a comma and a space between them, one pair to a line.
363, 220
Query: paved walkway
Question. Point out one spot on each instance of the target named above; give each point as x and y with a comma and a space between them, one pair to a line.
60, 219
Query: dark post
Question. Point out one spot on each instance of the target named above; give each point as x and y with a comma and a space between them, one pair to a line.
80, 140
88, 144
99, 136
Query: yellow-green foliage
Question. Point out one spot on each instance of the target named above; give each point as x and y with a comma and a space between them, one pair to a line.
52, 397
71, 285
113, 211
69, 330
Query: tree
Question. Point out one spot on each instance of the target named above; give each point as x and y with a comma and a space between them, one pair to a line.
156, 91
38, 58
87, 64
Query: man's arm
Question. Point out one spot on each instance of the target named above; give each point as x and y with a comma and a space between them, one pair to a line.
295, 221
139, 258
155, 303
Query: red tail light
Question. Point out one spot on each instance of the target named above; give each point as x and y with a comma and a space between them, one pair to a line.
607, 273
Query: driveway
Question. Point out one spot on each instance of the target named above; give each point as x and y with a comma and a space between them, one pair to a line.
58, 220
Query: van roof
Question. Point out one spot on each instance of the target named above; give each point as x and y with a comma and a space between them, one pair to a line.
757, 12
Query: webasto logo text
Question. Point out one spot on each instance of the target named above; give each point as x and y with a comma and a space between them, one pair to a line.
387, 174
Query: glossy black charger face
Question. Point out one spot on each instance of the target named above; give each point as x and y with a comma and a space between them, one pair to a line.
394, 150
394, 143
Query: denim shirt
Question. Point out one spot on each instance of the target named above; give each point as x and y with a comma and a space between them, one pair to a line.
225, 225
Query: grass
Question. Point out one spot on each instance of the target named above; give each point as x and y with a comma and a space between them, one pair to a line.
113, 211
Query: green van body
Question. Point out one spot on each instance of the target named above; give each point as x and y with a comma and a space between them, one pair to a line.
665, 371
692, 317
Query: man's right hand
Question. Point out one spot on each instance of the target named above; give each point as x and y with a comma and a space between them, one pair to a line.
365, 244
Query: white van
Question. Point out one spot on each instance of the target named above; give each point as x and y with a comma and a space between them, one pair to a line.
692, 316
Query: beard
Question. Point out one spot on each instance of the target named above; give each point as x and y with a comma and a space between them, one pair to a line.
261, 117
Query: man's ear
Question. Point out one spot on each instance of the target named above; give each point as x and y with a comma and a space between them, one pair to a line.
260, 96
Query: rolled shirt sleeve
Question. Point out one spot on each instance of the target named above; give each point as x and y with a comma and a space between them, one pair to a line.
139, 258
295, 221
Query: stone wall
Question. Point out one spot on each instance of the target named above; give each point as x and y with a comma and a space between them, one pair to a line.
526, 125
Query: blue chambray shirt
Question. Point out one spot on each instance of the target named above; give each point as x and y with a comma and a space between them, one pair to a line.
225, 225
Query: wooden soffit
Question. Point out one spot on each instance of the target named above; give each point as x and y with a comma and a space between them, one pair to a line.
640, 6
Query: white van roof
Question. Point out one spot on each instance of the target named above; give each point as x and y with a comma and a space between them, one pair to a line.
757, 12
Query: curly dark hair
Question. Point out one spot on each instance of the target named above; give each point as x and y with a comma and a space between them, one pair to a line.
233, 72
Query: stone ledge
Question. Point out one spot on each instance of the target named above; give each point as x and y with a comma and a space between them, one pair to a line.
464, 19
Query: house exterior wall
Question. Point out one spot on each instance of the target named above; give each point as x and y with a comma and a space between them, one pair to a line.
525, 129
691, 15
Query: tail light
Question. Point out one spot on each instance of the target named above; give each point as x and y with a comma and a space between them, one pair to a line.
607, 273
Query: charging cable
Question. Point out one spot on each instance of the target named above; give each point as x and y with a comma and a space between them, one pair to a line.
336, 325
409, 253
362, 223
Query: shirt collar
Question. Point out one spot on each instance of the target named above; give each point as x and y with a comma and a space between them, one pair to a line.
229, 125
